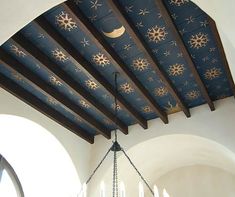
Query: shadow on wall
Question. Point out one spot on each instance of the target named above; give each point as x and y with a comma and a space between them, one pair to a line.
160, 155
40, 161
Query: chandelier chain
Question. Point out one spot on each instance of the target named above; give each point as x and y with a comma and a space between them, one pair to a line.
115, 175
116, 105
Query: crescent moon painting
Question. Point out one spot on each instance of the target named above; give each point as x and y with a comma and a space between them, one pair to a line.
115, 33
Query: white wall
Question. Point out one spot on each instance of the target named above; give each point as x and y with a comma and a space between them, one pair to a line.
195, 181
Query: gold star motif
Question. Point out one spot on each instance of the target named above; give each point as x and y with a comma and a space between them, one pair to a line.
147, 109
55, 81
17, 51
93, 18
178, 2
198, 40
129, 9
52, 101
190, 20
95, 4
91, 84
114, 107
170, 109
17, 76
139, 24
84, 104
140, 64
127, 47
161, 91
204, 23
126, 88
212, 73
65, 22
100, 59
156, 34
192, 95
176, 69
85, 42
143, 12
59, 55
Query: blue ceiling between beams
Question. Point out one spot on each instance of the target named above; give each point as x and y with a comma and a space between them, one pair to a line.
191, 22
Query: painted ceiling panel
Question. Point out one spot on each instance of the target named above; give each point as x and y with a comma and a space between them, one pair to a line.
81, 44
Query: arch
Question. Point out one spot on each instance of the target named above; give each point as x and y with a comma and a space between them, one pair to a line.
157, 156
40, 161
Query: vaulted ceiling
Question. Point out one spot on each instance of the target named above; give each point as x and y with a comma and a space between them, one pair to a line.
168, 55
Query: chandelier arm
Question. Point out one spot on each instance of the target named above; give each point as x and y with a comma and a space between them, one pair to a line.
95, 170
138, 172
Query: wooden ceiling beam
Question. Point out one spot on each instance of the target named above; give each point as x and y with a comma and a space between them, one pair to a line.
27, 97
50, 91
87, 68
218, 41
170, 24
85, 25
65, 78
142, 45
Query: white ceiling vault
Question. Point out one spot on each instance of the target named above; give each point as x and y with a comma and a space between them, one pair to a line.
13, 19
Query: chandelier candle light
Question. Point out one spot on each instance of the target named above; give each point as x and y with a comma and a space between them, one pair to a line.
115, 148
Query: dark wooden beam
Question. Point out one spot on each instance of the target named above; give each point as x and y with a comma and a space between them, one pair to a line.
65, 78
170, 25
37, 104
215, 32
142, 45
87, 68
50, 91
85, 25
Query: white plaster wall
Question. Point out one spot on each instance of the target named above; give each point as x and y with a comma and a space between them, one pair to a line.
194, 181
78, 149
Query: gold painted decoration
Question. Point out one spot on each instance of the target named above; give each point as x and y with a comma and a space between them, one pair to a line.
100, 59
147, 109
84, 104
161, 91
95, 4
77, 118
170, 109
198, 40
65, 22
59, 55
17, 51
52, 101
55, 81
176, 69
17, 76
143, 12
127, 88
156, 34
140, 64
91, 84
115, 33
178, 2
114, 106
108, 122
192, 95
212, 73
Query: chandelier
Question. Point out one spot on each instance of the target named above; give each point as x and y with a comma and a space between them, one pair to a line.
115, 148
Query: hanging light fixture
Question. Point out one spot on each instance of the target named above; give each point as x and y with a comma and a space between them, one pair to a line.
115, 148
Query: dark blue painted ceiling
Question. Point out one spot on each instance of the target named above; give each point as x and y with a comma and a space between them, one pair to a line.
192, 24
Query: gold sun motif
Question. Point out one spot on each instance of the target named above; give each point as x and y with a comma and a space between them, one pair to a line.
114, 107
147, 109
91, 84
212, 73
176, 69
17, 51
55, 81
170, 109
140, 64
161, 91
59, 55
127, 88
17, 76
84, 104
52, 101
199, 40
192, 95
178, 2
156, 34
100, 59
65, 21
